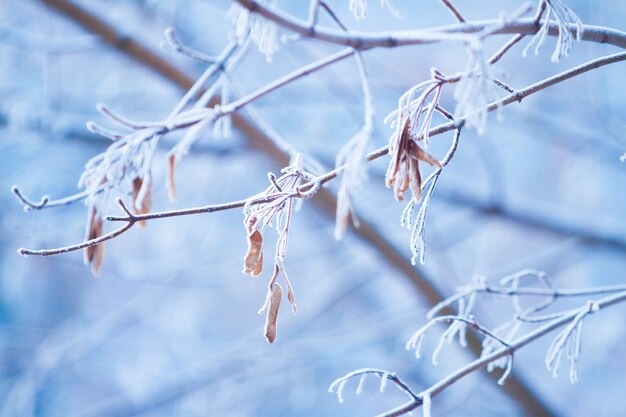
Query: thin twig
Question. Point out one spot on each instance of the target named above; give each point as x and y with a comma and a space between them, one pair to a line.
453, 10
92, 242
46, 202
498, 55
178, 46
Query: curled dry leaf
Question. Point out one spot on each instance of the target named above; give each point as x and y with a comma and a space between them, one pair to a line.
403, 171
272, 313
94, 255
253, 262
141, 203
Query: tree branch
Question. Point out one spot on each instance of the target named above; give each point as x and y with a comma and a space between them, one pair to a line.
458, 32
512, 98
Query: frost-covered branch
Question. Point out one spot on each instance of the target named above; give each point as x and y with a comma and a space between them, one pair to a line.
438, 130
499, 350
456, 32
126, 165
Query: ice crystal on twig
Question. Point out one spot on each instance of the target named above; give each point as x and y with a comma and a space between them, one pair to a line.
353, 157
476, 88
261, 31
359, 8
565, 18
338, 386
568, 342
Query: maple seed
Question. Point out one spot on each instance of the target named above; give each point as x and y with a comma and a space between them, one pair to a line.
272, 313
253, 262
403, 171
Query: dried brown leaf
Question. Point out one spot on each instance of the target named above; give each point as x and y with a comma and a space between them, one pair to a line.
403, 171
253, 262
259, 266
415, 178
422, 155
272, 313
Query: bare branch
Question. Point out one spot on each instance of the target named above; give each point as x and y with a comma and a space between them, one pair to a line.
453, 10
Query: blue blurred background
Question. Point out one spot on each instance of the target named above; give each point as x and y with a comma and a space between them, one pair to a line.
169, 327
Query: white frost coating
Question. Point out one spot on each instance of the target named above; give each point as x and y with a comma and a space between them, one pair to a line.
563, 16
568, 342
507, 370
359, 388
427, 405
353, 156
415, 343
262, 31
340, 388
359, 8
435, 358
476, 89
383, 381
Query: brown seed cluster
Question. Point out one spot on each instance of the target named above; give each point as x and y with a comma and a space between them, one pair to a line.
403, 172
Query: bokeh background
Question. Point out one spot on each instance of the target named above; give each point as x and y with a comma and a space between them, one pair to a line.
170, 326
